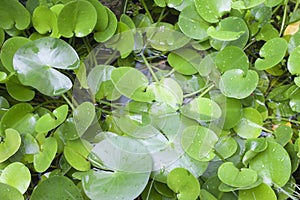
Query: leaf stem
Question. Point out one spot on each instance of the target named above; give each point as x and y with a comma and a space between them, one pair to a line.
296, 5
206, 89
109, 104
147, 11
149, 68
68, 101
266, 130
284, 18
284, 119
219, 155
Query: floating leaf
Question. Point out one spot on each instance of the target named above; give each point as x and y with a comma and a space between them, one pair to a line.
293, 64
13, 14
9, 144
267, 32
160, 3
202, 109
283, 134
224, 35
77, 17
235, 177
212, 10
198, 142
191, 24
184, 183
128, 21
8, 192
226, 146
108, 32
272, 53
44, 158
64, 189
36, 61
17, 175
263, 191
272, 3
232, 57
102, 15
246, 4
235, 83
67, 130
250, 124
18, 91
83, 116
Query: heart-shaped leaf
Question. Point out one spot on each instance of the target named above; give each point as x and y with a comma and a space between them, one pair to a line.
250, 124
198, 142
17, 175
184, 183
9, 144
272, 53
235, 83
273, 164
76, 153
77, 17
212, 10
36, 61
44, 158
8, 192
263, 191
232, 57
83, 116
202, 109
64, 189
48, 122
235, 177
191, 24
14, 14
104, 35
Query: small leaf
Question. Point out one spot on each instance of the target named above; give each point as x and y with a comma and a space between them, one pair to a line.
77, 17
235, 83
198, 142
293, 64
235, 177
212, 10
263, 191
44, 158
184, 183
8, 192
104, 35
272, 53
246, 4
9, 144
292, 28
224, 35
62, 187
226, 146
18, 91
283, 134
17, 175
102, 15
83, 115
272, 3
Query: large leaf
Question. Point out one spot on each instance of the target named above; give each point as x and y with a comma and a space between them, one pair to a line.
184, 183
212, 10
10, 144
77, 17
35, 61
61, 187
8, 192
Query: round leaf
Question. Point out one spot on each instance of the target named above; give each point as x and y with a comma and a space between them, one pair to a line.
224, 35
108, 32
184, 183
83, 115
226, 146
19, 91
250, 124
35, 61
62, 187
293, 64
272, 52
212, 10
198, 142
8, 192
246, 4
263, 191
10, 144
102, 15
202, 109
17, 175
283, 134
235, 177
237, 84
79, 17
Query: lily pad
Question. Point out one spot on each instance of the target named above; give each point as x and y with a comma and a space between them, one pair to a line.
263, 191
272, 52
202, 109
198, 142
235, 177
64, 189
17, 175
235, 83
10, 193
36, 61
250, 124
9, 144
77, 17
212, 10
184, 183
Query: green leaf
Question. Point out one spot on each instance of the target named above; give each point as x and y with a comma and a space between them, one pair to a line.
272, 3
36, 61
202, 109
17, 175
9, 49
224, 35
76, 153
184, 183
48, 121
18, 91
293, 64
9, 144
198, 142
13, 14
62, 187
191, 24
102, 15
160, 3
253, 147
67, 130
246, 4
232, 57
2, 36
207, 64
212, 10
104, 35
294, 42
128, 21
77, 17
263, 191
267, 32
235, 177
185, 61
226, 146
283, 134
8, 192
235, 83
163, 189
83, 116
272, 52
250, 124
273, 164
44, 158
